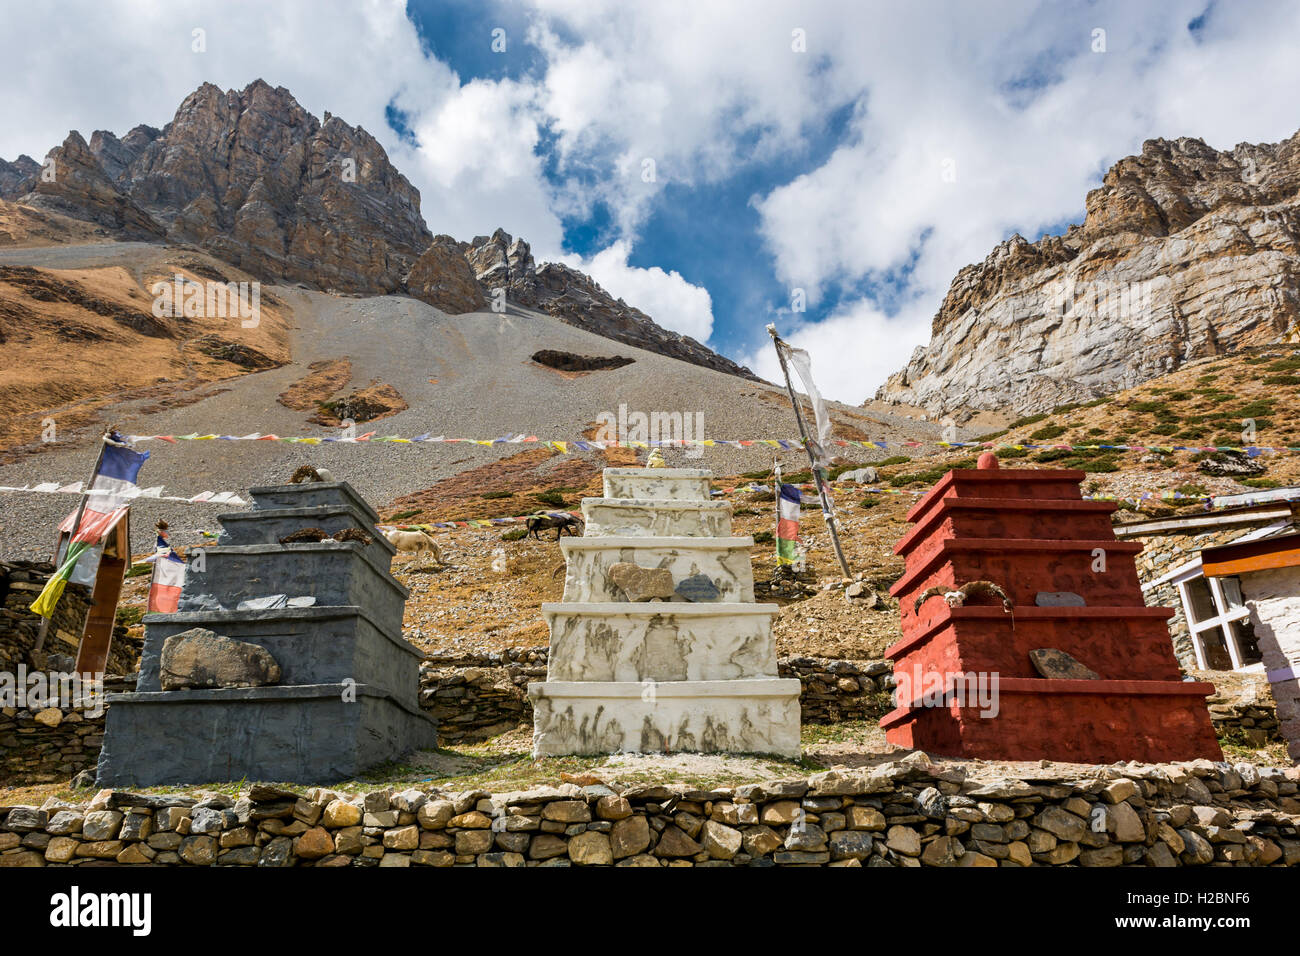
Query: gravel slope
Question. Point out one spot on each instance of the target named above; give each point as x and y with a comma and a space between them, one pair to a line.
464, 376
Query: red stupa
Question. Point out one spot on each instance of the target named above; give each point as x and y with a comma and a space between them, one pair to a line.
1031, 533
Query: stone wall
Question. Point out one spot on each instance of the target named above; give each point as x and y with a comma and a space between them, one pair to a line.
477, 696
1255, 725
47, 746
52, 744
20, 583
909, 813
1242, 707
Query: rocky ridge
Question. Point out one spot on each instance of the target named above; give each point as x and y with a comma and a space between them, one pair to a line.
255, 180
1186, 252
500, 261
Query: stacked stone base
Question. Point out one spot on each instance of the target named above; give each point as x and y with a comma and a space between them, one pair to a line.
347, 696
707, 716
303, 733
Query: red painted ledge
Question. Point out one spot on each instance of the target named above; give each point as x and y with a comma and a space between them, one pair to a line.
946, 506
1022, 545
976, 475
1033, 686
952, 615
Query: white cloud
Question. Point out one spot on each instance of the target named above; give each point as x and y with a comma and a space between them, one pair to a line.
853, 350
665, 296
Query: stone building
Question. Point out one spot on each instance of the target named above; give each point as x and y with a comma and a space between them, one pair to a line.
1211, 628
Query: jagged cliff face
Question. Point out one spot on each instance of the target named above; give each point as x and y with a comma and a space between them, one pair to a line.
257, 181
1185, 252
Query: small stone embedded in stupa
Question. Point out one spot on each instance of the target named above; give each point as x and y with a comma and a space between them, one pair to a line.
642, 584
1058, 665
698, 587
1059, 599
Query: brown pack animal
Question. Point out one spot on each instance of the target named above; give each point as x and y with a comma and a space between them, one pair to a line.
544, 522
414, 542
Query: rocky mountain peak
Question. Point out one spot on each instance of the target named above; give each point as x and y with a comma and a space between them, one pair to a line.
79, 187
1185, 251
255, 179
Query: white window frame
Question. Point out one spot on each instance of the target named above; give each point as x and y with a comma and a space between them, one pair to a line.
1221, 620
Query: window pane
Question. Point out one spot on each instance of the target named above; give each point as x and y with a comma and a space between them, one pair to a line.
1202, 601
1216, 651
1232, 591
1247, 648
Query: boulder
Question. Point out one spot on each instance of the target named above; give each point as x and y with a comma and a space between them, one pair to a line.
868, 476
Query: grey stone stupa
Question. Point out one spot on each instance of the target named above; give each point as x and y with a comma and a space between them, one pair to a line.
343, 688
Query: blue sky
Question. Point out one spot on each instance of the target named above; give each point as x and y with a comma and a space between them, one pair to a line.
858, 152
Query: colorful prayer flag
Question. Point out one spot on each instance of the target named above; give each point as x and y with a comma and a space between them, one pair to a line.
787, 524
168, 579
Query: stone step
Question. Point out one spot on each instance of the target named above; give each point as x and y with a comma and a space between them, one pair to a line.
336, 573
309, 734
660, 641
310, 494
268, 526
637, 517
727, 716
725, 562
312, 645
658, 484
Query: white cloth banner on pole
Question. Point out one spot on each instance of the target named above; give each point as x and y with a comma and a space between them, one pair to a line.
802, 363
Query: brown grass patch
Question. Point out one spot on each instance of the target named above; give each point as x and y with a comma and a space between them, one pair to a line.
77, 340
323, 379
377, 400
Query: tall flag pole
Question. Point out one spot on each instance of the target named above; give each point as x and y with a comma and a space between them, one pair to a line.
816, 452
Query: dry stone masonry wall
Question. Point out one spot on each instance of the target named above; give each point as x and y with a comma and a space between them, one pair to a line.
910, 813
476, 696
20, 583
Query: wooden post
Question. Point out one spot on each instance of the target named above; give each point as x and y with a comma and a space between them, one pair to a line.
76, 524
776, 477
828, 512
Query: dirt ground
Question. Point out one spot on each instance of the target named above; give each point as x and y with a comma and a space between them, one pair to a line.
505, 763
